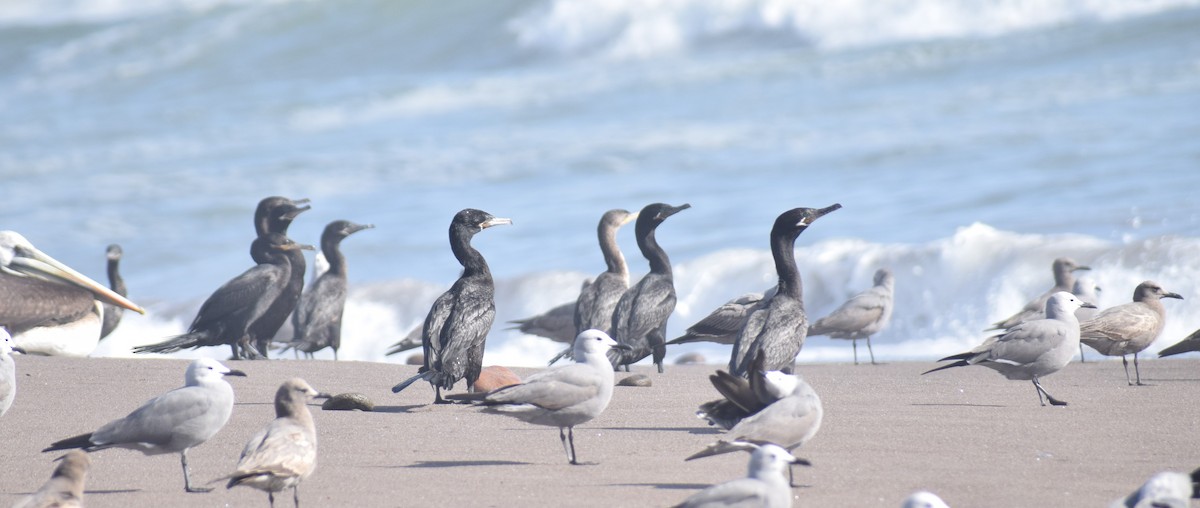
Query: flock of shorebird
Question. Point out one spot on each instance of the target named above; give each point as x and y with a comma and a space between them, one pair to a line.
765, 407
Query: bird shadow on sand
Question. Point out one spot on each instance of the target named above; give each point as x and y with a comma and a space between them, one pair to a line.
91, 492
461, 463
398, 409
667, 486
951, 404
689, 430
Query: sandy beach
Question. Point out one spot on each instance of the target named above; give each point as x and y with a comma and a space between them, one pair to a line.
967, 434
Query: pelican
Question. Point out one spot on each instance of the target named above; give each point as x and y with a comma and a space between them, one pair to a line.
49, 308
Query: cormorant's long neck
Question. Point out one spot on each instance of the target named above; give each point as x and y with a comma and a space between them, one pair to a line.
659, 263
783, 249
612, 253
279, 225
471, 260
333, 254
115, 282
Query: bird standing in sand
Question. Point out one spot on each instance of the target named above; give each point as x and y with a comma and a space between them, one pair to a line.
457, 325
175, 421
113, 313
862, 316
64, 489
317, 321
764, 485
49, 308
563, 396
778, 329
1030, 350
1064, 280
8, 371
1129, 328
284, 452
640, 317
223, 319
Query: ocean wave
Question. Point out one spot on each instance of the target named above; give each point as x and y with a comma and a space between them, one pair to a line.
947, 292
645, 28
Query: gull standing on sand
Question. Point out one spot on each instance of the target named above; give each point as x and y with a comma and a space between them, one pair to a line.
113, 313
457, 325
862, 316
285, 451
1129, 328
49, 308
317, 321
1032, 349
778, 329
640, 317
789, 422
175, 421
8, 371
563, 396
764, 485
64, 489
1064, 280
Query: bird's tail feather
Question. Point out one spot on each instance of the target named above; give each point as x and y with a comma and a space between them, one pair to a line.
81, 441
721, 447
173, 344
409, 381
959, 363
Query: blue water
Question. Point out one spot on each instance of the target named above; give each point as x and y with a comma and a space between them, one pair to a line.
971, 143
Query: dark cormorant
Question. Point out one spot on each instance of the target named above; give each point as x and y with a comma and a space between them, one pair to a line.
862, 316
777, 330
317, 322
640, 318
274, 215
458, 323
225, 316
112, 313
48, 307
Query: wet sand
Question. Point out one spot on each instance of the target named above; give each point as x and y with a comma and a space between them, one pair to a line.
967, 434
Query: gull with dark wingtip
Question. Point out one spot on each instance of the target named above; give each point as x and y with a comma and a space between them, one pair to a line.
317, 322
1129, 328
723, 324
49, 308
1030, 350
226, 315
175, 421
778, 329
640, 317
457, 325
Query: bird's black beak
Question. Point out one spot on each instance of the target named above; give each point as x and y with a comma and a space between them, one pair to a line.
1086, 305
667, 212
19, 349
236, 373
1172, 295
802, 462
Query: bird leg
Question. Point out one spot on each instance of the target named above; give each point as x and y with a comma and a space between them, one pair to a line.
1042, 391
271, 498
437, 396
872, 351
569, 449
854, 345
1081, 358
296, 494
1125, 363
1137, 372
187, 481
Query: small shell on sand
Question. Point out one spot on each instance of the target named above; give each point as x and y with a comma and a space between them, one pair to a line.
493, 377
635, 380
348, 402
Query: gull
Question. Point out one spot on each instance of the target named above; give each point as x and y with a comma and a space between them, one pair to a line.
8, 371
862, 316
64, 489
1128, 328
1032, 349
173, 422
285, 451
563, 396
764, 484
722, 325
1167, 489
1064, 280
924, 499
